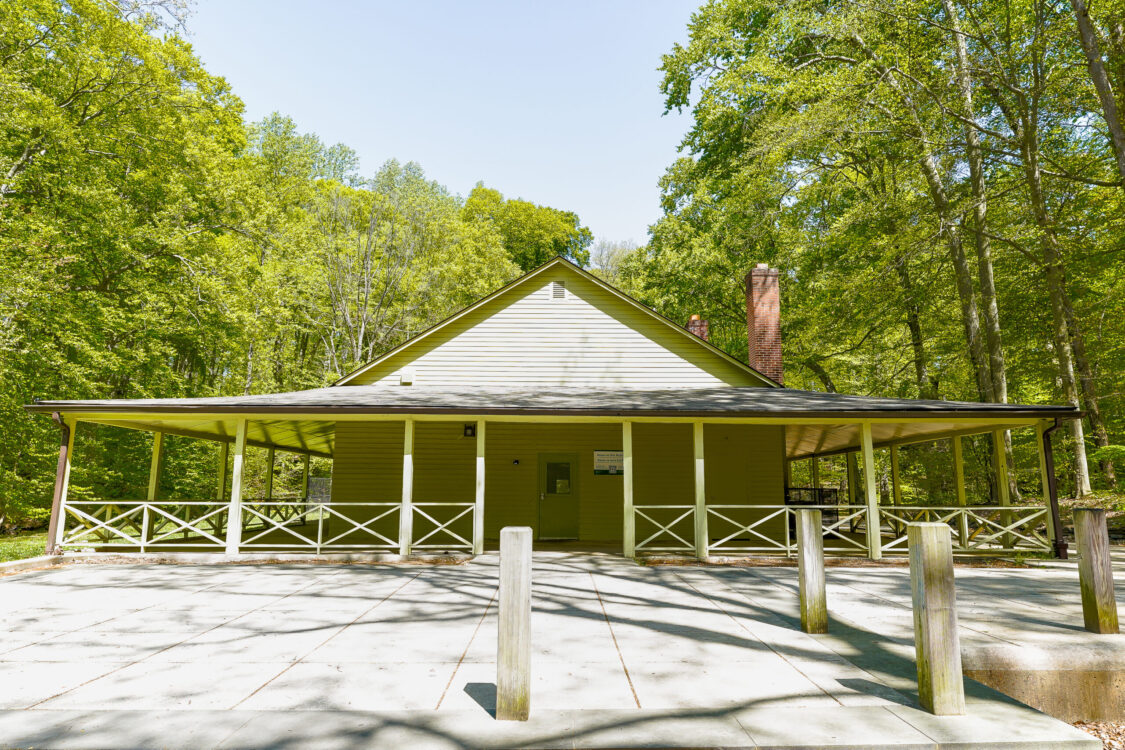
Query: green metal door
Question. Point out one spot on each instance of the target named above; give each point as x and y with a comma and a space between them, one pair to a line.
558, 496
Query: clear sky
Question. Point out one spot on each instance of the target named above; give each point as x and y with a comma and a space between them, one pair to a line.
555, 102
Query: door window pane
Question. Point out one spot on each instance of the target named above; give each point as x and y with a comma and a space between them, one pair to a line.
558, 478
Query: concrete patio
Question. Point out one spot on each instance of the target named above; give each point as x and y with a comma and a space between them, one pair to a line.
140, 656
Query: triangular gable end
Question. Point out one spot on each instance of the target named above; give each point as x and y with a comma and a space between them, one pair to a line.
557, 325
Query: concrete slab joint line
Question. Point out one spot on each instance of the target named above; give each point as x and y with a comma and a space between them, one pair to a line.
295, 656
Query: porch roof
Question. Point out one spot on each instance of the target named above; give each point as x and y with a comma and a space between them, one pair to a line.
816, 423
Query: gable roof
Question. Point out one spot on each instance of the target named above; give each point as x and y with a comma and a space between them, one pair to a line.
527, 278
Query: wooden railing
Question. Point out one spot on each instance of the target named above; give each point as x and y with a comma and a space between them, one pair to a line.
291, 525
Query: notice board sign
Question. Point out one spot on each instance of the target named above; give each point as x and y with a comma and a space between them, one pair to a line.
609, 462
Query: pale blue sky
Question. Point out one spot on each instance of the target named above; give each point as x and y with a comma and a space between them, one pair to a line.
555, 102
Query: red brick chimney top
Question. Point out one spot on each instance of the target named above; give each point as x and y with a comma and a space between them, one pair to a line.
763, 321
699, 327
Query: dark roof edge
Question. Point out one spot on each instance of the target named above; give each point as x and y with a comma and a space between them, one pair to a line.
1020, 411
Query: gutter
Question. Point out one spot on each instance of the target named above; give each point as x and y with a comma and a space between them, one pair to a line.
1053, 489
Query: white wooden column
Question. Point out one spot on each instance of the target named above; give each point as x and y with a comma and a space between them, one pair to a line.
701, 539
1003, 493
406, 510
1045, 483
148, 517
630, 530
874, 538
305, 477
896, 478
234, 514
224, 459
959, 484
57, 530
269, 475
478, 502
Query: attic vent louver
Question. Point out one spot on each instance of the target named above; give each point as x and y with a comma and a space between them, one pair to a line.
558, 290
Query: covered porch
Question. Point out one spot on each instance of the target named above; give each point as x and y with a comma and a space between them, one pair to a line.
705, 474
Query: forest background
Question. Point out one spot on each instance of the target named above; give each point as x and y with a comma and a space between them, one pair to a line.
940, 182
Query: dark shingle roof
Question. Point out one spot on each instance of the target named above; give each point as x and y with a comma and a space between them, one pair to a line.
704, 402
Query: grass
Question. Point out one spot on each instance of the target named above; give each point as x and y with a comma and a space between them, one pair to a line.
21, 546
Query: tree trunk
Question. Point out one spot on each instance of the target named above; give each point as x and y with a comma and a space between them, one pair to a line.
1088, 36
927, 388
1090, 401
1027, 133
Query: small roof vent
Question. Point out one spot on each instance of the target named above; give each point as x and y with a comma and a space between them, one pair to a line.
558, 290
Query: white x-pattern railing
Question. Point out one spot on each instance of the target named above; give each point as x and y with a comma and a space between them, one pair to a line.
442, 536
189, 524
992, 529
770, 528
658, 540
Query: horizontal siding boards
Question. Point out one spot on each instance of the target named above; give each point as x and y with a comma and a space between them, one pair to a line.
367, 468
591, 337
744, 466
511, 491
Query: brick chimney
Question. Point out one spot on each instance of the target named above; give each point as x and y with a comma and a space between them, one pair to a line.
763, 321
699, 327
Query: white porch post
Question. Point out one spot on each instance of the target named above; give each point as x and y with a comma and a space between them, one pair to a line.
478, 503
874, 538
1002, 487
630, 530
148, 518
234, 515
57, 528
959, 483
224, 459
406, 510
701, 538
896, 486
269, 474
1045, 483
305, 477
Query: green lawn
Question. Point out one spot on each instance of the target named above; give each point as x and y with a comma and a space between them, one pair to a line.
19, 546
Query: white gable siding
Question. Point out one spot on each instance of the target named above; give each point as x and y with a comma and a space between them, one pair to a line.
535, 336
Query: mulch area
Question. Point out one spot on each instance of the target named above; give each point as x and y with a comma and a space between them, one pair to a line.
1112, 734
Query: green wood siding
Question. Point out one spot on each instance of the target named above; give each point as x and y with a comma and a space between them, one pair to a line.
589, 337
744, 466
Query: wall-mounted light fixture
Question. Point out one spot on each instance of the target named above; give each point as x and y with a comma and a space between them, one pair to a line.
516, 462
470, 430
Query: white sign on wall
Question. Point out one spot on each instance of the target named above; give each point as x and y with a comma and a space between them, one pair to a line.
609, 462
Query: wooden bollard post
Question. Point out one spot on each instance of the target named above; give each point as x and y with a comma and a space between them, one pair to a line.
1095, 571
513, 648
941, 686
810, 571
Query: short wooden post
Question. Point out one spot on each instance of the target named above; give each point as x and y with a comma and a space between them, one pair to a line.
56, 529
234, 513
1095, 571
148, 523
702, 542
874, 521
962, 499
478, 498
513, 647
810, 571
630, 528
941, 687
406, 510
